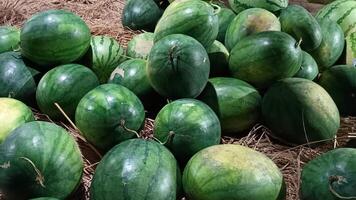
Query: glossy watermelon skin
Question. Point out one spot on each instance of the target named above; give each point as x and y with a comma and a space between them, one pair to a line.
248, 22
317, 173
219, 59
299, 111
54, 37
270, 5
299, 23
192, 124
9, 38
140, 45
309, 68
136, 169
351, 49
48, 148
181, 60
225, 16
280, 57
105, 114
203, 21
235, 102
232, 171
13, 113
65, 85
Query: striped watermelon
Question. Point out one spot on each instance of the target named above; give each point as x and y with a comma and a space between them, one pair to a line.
9, 38
351, 49
271, 5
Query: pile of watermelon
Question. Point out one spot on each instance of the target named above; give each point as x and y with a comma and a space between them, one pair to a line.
203, 70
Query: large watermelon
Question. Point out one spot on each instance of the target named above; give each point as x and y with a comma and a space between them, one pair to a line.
330, 176
271, 5
108, 115
178, 66
351, 49
309, 68
299, 111
13, 113
280, 56
9, 38
41, 159
140, 45
136, 169
219, 59
65, 85
226, 172
54, 37
225, 16
190, 17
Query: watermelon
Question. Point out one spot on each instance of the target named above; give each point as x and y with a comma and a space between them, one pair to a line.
39, 159
108, 115
230, 171
54, 37
187, 123
65, 85
225, 16
248, 22
331, 46
236, 103
330, 176
16, 80
219, 59
178, 66
309, 68
351, 49
270, 5
13, 113
190, 17
341, 11
299, 111
141, 14
340, 83
299, 23
279, 57
136, 169
140, 45
9, 38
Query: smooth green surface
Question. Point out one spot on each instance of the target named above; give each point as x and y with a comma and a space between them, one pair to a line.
309, 68
43, 147
140, 45
232, 172
299, 111
108, 115
9, 38
136, 169
65, 85
219, 59
191, 124
225, 16
271, 5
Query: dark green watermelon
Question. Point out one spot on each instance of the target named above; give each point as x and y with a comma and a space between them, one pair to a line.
54, 37
65, 85
309, 68
299, 111
226, 172
261, 65
330, 176
219, 59
187, 123
136, 169
225, 16
40, 159
9, 38
140, 45
236, 103
108, 115
178, 66
299, 23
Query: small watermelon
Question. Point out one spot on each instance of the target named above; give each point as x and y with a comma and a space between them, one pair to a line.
9, 38
140, 45
309, 68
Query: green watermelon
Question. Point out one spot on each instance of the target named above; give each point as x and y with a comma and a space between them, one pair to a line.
280, 56
9, 38
228, 171
136, 169
178, 66
248, 22
13, 113
236, 103
54, 37
190, 17
219, 59
225, 16
299, 23
140, 45
351, 49
341, 11
270, 5
299, 111
330, 176
39, 159
65, 85
309, 68
187, 123
108, 115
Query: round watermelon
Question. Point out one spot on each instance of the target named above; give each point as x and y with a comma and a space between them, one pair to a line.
9, 38
219, 59
270, 5
229, 171
309, 68
39, 159
225, 16
136, 169
54, 37
65, 85
140, 45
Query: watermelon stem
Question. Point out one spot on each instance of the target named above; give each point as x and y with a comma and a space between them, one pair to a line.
39, 178
170, 136
122, 123
339, 180
5, 165
299, 43
216, 8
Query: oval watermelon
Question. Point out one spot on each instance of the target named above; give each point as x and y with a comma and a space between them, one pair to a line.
140, 45
271, 5
9, 38
225, 16
219, 59
309, 68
